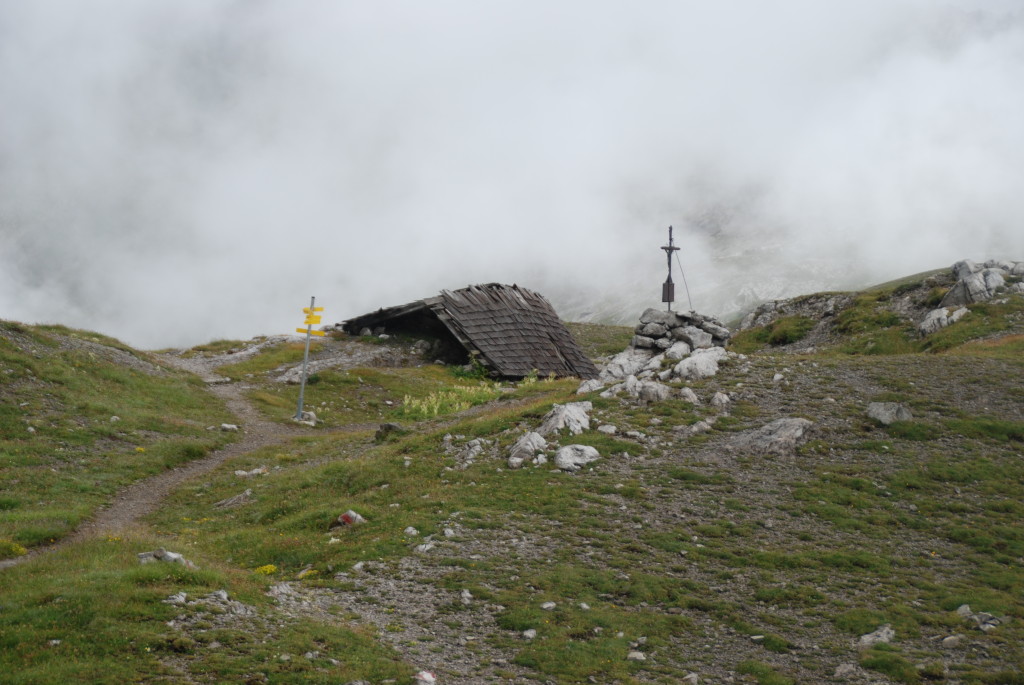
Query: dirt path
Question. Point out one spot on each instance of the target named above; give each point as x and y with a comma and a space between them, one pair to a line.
144, 496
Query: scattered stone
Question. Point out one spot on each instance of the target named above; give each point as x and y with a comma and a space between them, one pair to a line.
938, 319
584, 606
349, 518
386, 430
115, 419
53, 643
229, 427
846, 670
258, 471
984, 621
607, 429
883, 634
306, 418
691, 679
572, 457
636, 656
574, 416
163, 555
652, 391
177, 599
593, 385
236, 501
778, 377
411, 532
425, 547
466, 597
525, 449
689, 395
530, 634
721, 401
887, 413
951, 641
548, 606
781, 436
425, 678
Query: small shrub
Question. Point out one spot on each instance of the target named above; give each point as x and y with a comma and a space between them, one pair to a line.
9, 549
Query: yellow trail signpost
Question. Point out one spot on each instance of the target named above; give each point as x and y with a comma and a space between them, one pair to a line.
311, 318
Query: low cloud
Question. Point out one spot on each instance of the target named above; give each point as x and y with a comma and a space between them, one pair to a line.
176, 172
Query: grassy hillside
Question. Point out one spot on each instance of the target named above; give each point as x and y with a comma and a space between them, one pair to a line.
704, 557
81, 416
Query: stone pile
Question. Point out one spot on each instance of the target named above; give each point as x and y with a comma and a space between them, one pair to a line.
694, 342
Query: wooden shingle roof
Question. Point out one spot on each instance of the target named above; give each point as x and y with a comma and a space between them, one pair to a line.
513, 331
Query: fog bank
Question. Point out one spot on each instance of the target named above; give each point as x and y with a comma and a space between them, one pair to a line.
174, 172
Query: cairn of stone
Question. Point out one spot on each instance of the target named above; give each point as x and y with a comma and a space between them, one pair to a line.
693, 343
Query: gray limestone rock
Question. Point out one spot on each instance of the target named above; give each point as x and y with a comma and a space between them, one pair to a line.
887, 413
721, 401
626, 363
882, 635
694, 336
938, 319
652, 330
592, 385
652, 391
976, 287
778, 437
642, 342
525, 449
678, 351
575, 416
702, 363
573, 457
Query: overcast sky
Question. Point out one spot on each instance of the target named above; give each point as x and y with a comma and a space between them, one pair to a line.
182, 170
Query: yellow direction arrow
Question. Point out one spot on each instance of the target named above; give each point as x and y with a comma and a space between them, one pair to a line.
305, 310
303, 330
312, 319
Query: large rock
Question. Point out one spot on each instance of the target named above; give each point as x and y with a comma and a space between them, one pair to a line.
574, 416
652, 391
781, 436
629, 362
527, 447
976, 287
592, 385
652, 330
678, 351
887, 413
938, 319
693, 336
572, 457
701, 364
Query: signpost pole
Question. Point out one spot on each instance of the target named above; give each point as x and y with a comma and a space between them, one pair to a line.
305, 358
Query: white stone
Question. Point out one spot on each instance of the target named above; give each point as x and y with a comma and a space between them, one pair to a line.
593, 385
575, 416
572, 457
887, 413
678, 351
721, 401
701, 364
883, 635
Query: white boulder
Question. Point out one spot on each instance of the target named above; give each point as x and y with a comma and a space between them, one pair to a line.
573, 457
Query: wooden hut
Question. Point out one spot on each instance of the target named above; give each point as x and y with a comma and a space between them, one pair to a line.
512, 331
